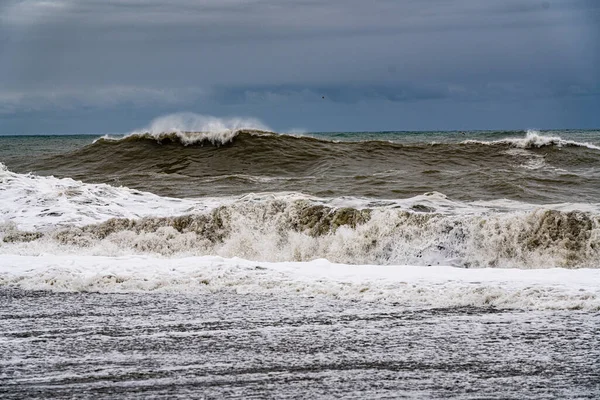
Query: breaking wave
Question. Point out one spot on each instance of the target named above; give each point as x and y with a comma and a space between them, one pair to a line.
47, 214
189, 129
192, 129
535, 140
40, 203
65, 235
301, 231
233, 159
187, 138
193, 203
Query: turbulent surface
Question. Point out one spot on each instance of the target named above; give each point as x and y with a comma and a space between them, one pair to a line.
403, 286
49, 214
215, 346
196, 258
301, 230
530, 166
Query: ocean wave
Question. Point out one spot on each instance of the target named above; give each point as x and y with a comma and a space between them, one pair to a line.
535, 140
183, 164
403, 286
49, 215
189, 129
44, 202
186, 138
299, 230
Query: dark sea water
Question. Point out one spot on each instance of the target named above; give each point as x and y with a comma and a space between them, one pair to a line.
523, 199
250, 264
537, 167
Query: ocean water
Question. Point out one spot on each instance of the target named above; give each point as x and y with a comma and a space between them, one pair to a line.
224, 259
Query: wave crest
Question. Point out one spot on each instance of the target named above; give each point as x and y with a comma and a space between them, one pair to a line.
190, 128
302, 230
46, 214
535, 140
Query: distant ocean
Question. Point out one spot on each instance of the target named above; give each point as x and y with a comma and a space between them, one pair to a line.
239, 262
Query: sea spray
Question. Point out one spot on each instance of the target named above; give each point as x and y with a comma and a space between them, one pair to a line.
299, 230
190, 128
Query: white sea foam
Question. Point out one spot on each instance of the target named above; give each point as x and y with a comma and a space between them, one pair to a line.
296, 231
533, 139
33, 202
404, 285
190, 128
424, 230
41, 202
528, 159
427, 229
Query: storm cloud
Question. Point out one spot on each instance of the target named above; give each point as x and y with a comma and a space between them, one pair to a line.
110, 65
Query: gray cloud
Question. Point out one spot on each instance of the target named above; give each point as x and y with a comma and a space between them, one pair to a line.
99, 97
226, 54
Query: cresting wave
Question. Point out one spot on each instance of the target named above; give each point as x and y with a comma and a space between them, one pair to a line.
301, 231
65, 235
189, 129
40, 203
222, 132
50, 215
534, 140
186, 164
186, 138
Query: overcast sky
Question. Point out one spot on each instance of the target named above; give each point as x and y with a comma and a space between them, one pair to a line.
96, 66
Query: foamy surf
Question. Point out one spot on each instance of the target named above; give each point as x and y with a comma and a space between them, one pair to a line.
32, 202
405, 286
63, 216
190, 128
534, 139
